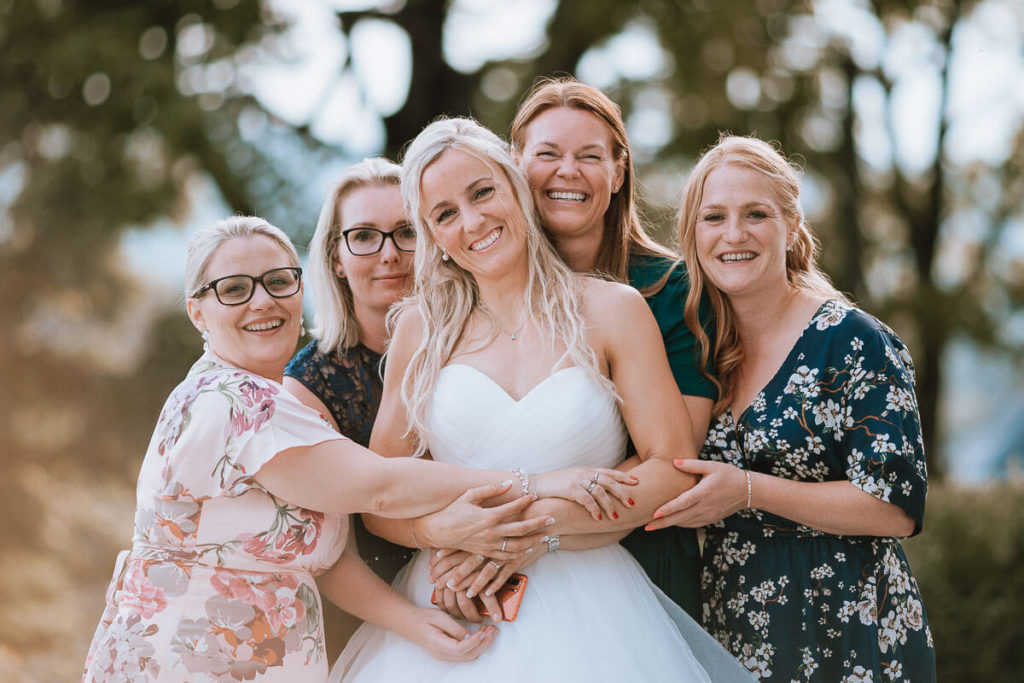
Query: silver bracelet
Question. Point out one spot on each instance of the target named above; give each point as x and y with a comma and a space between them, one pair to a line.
414, 541
749, 488
553, 542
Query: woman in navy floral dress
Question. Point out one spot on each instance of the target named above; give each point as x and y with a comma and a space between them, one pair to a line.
814, 464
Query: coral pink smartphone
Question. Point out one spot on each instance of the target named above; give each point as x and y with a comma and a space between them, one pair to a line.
509, 596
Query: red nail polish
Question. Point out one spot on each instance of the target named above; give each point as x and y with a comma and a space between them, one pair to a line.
631, 502
600, 517
615, 514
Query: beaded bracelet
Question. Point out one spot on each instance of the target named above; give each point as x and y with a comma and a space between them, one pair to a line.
526, 481
749, 488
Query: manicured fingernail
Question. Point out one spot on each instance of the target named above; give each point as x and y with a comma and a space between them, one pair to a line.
551, 520
600, 517
631, 502
615, 514
658, 513
634, 477
451, 584
649, 527
529, 550
440, 553
507, 482
469, 593
678, 462
467, 636
488, 592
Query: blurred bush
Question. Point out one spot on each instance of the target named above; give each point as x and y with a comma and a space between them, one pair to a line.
969, 563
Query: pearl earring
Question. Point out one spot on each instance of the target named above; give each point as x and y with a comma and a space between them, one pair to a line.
444, 255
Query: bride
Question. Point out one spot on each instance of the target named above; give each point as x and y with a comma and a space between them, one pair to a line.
506, 358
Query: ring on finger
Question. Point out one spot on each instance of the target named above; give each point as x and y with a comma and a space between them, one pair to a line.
504, 544
593, 482
479, 558
497, 567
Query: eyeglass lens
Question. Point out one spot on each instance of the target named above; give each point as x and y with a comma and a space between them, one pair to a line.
237, 289
367, 241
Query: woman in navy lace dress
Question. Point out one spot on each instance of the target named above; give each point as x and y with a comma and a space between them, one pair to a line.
814, 465
360, 262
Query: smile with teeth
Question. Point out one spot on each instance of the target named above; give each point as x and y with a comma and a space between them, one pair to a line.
738, 256
263, 327
570, 196
482, 244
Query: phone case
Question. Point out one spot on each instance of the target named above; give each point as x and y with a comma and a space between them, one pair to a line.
509, 596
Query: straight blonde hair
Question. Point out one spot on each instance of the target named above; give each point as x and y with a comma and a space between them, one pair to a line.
333, 306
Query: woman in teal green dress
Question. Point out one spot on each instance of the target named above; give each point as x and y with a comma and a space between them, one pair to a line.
570, 140
814, 465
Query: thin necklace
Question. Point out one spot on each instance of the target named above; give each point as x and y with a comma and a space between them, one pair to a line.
512, 335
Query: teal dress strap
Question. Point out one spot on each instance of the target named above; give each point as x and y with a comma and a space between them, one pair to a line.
671, 557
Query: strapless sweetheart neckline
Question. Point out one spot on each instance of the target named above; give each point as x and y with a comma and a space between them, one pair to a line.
536, 387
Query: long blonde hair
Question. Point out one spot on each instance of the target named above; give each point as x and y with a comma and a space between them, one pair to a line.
445, 295
336, 323
624, 234
802, 269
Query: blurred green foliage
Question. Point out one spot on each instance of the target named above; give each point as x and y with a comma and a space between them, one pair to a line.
969, 564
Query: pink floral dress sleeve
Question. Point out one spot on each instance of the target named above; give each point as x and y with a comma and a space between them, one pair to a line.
218, 585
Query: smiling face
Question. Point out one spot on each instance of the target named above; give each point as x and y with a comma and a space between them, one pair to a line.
741, 232
569, 160
260, 335
473, 214
376, 280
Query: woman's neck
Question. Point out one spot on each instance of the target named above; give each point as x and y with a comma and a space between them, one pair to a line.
504, 297
760, 318
580, 251
373, 328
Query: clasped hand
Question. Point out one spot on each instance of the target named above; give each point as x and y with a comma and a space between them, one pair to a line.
720, 492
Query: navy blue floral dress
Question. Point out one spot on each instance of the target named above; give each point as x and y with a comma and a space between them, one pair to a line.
794, 603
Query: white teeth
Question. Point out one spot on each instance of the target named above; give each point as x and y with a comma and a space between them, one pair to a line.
572, 196
486, 242
261, 327
741, 256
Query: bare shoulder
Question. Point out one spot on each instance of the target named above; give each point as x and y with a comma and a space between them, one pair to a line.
409, 330
607, 301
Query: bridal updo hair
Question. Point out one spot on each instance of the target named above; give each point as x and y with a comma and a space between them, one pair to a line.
445, 295
204, 245
802, 270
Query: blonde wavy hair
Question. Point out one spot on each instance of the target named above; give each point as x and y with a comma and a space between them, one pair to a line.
802, 270
445, 295
624, 234
333, 306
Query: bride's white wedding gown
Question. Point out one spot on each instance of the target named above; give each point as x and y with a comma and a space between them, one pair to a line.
590, 615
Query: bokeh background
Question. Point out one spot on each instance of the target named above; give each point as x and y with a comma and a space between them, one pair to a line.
125, 126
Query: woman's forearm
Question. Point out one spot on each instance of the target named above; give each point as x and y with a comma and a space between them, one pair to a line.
835, 507
343, 477
658, 482
355, 588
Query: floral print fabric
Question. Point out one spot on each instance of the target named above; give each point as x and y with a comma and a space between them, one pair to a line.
350, 385
794, 603
218, 585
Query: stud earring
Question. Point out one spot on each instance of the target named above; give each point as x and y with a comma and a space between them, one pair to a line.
615, 189
789, 247
444, 255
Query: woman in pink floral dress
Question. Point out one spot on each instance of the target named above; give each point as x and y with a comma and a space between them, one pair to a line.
243, 498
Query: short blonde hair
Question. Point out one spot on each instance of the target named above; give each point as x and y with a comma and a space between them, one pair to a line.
333, 307
802, 270
204, 245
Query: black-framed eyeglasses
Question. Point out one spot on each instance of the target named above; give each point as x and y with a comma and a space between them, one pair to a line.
368, 241
235, 290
